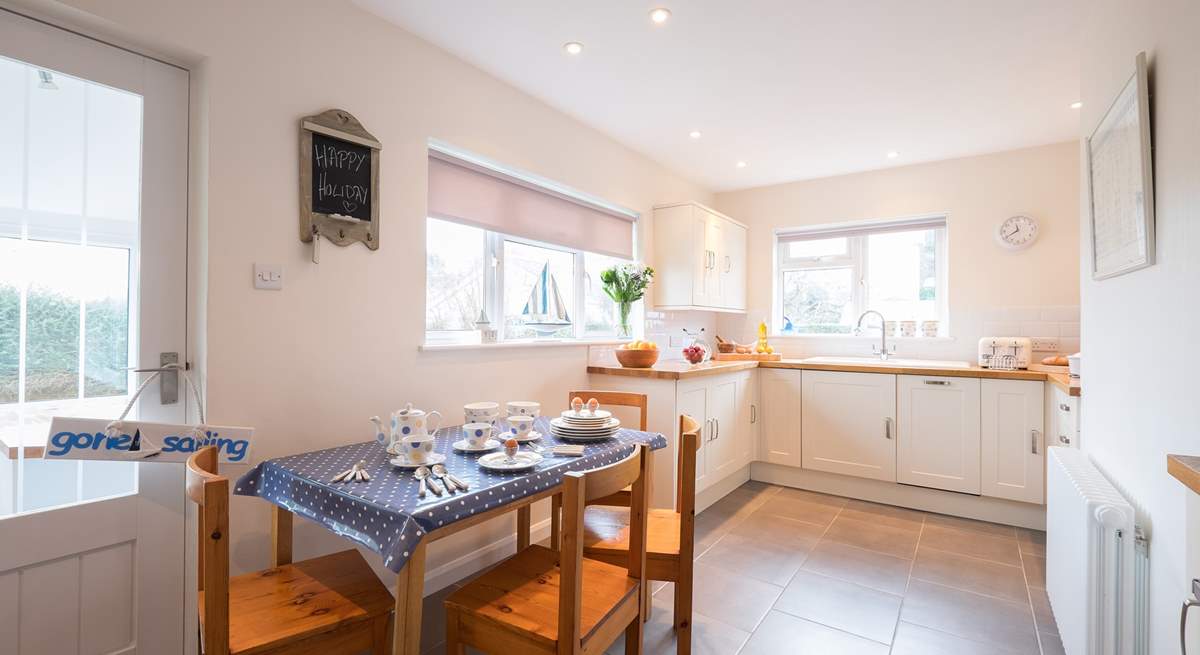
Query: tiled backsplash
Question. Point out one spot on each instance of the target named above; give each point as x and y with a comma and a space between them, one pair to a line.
666, 330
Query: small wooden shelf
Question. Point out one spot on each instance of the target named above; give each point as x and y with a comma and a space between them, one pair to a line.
1186, 469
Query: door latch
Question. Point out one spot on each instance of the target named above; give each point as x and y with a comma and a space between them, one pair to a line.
168, 380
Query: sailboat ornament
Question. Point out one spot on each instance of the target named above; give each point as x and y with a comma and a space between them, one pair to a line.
545, 312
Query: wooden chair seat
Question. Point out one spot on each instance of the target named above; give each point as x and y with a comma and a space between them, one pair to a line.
517, 602
303, 601
606, 538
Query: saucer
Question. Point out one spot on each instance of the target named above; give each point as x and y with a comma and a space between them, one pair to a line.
532, 435
521, 461
465, 446
403, 463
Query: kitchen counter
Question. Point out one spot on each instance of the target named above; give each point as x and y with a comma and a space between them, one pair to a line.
1186, 469
673, 369
681, 370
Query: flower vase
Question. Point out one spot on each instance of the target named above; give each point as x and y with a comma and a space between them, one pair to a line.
624, 330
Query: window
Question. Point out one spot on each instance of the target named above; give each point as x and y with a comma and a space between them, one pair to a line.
827, 277
470, 269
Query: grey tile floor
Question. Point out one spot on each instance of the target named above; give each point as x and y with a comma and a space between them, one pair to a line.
780, 570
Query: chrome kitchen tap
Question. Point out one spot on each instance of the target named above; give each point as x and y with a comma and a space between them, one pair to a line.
882, 351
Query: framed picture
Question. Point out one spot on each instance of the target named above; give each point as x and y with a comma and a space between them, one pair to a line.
1121, 182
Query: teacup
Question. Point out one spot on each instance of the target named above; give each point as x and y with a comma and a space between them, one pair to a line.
417, 449
519, 426
482, 412
477, 434
524, 408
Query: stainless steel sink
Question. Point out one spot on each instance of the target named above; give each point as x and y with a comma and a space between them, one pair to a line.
894, 361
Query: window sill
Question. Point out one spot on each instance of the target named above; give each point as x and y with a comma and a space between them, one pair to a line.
864, 338
509, 345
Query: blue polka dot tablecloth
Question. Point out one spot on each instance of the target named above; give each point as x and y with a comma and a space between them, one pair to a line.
385, 514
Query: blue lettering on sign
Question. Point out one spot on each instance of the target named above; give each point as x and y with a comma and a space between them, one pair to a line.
64, 442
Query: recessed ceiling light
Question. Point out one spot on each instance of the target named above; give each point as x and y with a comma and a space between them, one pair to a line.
573, 47
892, 154
660, 15
694, 134
741, 164
1076, 105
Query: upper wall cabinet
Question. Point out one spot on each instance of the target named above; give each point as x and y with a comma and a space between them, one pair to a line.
699, 259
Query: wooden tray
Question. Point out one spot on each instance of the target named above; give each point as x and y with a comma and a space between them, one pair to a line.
746, 357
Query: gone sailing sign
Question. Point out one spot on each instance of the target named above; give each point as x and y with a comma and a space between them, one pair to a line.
90, 438
339, 180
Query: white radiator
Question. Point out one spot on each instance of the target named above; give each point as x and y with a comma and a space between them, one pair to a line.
1097, 569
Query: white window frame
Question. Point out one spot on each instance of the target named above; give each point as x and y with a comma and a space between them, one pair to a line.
493, 292
856, 257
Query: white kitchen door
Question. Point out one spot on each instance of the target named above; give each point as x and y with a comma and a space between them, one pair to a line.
93, 261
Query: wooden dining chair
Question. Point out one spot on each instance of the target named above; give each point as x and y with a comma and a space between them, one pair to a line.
546, 601
671, 535
332, 605
605, 398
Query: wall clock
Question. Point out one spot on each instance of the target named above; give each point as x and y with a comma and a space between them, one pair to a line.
1017, 232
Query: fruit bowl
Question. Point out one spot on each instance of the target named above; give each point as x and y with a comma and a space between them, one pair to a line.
630, 358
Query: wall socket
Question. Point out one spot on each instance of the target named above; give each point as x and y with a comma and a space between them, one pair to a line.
1045, 344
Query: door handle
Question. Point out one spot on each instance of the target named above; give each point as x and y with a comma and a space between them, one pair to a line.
887, 427
168, 379
1183, 615
1033, 441
940, 383
717, 423
753, 414
728, 264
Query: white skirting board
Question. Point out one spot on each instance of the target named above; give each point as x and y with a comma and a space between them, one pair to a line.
982, 508
722, 488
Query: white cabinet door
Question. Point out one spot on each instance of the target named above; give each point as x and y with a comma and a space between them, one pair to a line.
747, 404
848, 425
937, 436
733, 266
723, 447
1013, 447
714, 248
702, 269
692, 399
779, 400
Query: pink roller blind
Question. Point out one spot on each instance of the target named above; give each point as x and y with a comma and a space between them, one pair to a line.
460, 192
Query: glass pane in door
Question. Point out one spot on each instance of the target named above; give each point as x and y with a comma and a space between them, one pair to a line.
70, 186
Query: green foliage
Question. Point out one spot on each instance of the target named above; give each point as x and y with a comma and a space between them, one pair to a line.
52, 345
626, 283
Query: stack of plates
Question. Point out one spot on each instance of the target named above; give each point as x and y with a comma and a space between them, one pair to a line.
585, 425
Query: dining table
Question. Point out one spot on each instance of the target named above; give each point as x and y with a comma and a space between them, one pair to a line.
386, 513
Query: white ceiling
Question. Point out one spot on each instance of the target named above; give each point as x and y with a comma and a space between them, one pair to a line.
797, 89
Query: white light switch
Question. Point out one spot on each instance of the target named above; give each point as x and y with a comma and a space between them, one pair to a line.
268, 276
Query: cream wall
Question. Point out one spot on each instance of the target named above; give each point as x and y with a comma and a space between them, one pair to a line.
1137, 409
307, 365
1032, 293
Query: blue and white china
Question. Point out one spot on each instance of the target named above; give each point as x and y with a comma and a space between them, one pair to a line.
477, 434
417, 449
403, 462
381, 435
481, 412
410, 422
519, 427
524, 408
520, 461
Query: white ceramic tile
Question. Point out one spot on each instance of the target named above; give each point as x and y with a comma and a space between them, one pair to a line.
1068, 329
1020, 314
1060, 313
1001, 329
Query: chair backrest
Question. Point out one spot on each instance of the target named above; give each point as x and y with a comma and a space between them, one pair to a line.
210, 491
685, 496
618, 398
578, 488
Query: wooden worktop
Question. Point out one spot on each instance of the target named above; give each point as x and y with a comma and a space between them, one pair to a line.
1186, 469
681, 370
673, 369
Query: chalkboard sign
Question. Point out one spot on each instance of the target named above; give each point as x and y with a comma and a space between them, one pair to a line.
341, 177
339, 181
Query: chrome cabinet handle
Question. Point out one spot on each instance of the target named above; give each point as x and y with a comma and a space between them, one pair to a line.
753, 414
728, 264
1183, 615
708, 423
1033, 441
887, 427
1064, 407
717, 422
940, 383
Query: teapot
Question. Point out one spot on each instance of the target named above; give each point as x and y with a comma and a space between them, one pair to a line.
414, 424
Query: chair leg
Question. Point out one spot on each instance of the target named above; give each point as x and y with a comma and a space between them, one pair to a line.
633, 636
555, 521
453, 645
683, 612
381, 635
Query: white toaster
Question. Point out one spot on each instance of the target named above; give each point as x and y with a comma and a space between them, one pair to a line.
1005, 352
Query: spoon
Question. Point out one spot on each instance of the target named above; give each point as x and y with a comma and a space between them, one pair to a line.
440, 470
440, 476
422, 474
